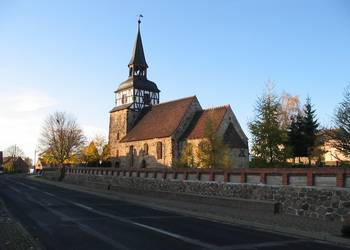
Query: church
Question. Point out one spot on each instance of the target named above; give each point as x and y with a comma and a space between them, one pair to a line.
145, 133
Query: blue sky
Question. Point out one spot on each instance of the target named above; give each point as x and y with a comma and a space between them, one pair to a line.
71, 56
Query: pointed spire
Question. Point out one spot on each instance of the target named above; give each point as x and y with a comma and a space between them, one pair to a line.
138, 55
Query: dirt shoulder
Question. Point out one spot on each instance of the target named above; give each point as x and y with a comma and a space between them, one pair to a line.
13, 235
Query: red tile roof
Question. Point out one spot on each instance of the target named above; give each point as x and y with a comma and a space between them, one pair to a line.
161, 121
198, 128
7, 159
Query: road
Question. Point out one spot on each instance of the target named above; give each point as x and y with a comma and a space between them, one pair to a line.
64, 219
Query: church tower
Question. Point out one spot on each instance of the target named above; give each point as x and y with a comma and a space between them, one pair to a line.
137, 91
134, 95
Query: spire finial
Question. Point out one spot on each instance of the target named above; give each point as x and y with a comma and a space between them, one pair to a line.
139, 21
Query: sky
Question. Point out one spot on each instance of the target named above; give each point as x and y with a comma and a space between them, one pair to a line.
71, 56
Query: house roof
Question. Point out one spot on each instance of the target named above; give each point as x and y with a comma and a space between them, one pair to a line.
124, 106
138, 82
7, 159
12, 158
197, 127
161, 121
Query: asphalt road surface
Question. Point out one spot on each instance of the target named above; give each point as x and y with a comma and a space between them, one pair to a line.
64, 219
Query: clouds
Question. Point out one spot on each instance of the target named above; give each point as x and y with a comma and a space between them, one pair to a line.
23, 100
22, 112
91, 132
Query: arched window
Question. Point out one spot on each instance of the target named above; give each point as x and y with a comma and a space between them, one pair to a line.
118, 136
159, 150
131, 154
131, 150
145, 149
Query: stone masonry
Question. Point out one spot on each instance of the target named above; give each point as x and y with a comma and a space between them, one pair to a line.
316, 202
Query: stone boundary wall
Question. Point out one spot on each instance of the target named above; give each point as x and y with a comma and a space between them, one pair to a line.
50, 173
315, 202
319, 177
315, 193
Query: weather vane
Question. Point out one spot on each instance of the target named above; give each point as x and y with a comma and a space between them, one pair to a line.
139, 21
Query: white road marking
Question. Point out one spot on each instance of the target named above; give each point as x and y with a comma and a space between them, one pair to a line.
158, 230
82, 226
102, 237
49, 194
155, 217
25, 185
177, 236
82, 206
14, 189
124, 220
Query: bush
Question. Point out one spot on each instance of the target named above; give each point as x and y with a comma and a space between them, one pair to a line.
180, 164
106, 164
260, 163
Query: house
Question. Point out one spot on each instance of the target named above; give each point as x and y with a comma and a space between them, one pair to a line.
15, 164
1, 161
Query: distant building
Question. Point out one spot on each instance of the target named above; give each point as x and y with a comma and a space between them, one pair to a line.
332, 156
40, 164
327, 153
6, 160
1, 160
146, 133
15, 164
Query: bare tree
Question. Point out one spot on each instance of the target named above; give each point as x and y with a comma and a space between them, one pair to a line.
14, 151
290, 107
102, 148
340, 134
61, 137
100, 142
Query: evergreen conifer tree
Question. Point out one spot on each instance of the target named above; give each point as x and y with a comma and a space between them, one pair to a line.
309, 129
302, 134
267, 134
295, 136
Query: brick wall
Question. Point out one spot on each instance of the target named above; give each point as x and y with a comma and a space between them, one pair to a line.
51, 173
